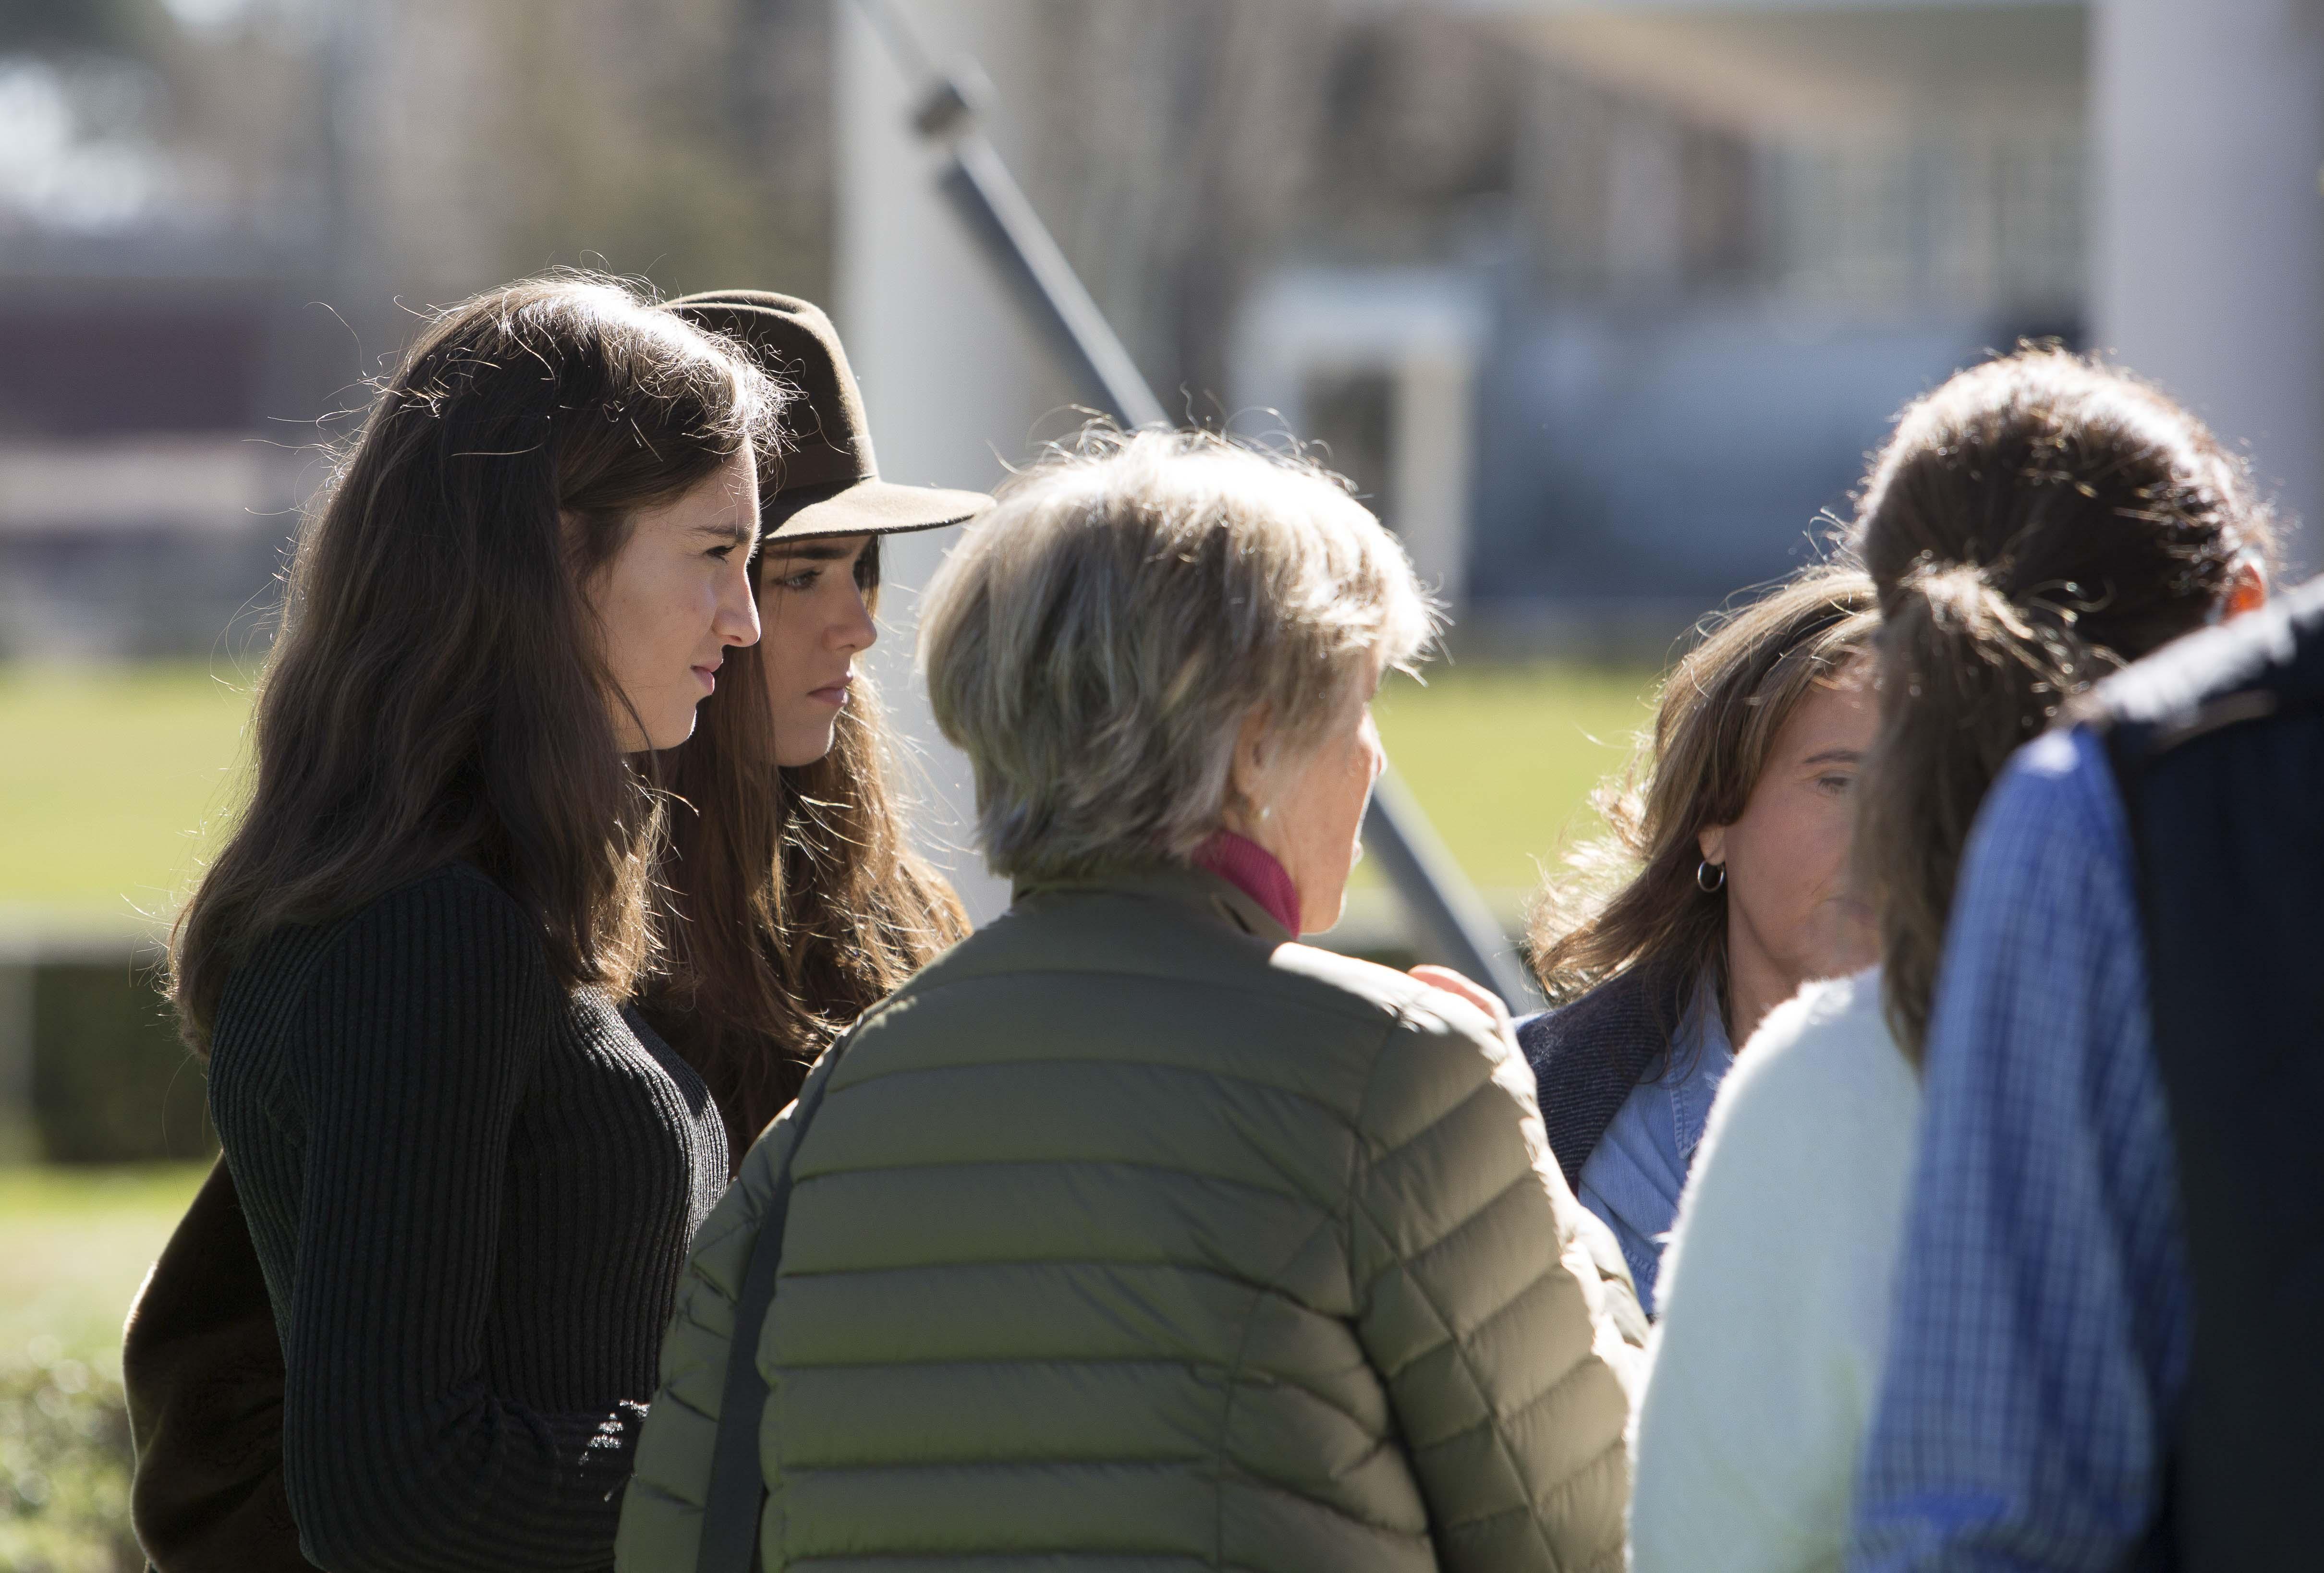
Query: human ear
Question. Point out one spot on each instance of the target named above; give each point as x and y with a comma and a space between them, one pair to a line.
1713, 842
2246, 589
1248, 777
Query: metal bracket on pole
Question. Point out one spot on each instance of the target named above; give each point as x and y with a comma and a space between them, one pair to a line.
1452, 922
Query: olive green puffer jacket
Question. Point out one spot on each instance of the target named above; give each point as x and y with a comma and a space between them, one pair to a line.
1132, 1236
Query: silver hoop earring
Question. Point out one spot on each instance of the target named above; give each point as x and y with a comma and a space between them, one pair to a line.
1710, 878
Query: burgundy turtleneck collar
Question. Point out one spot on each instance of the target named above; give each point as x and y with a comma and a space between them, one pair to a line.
1253, 869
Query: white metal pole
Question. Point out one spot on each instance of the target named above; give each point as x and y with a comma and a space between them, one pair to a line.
953, 381
2207, 245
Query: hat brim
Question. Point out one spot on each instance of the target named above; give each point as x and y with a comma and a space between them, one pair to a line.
868, 507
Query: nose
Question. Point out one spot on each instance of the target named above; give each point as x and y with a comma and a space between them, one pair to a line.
854, 629
736, 622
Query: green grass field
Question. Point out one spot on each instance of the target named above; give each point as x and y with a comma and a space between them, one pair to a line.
115, 775
1503, 758
109, 778
116, 778
117, 772
74, 1245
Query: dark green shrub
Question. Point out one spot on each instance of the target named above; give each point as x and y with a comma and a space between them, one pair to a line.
111, 1081
64, 1464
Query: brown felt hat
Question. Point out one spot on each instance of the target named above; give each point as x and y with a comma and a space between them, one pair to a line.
831, 484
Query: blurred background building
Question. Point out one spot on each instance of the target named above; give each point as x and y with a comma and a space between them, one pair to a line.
1602, 305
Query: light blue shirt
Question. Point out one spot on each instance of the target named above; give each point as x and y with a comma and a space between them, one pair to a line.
1635, 1174
2043, 1311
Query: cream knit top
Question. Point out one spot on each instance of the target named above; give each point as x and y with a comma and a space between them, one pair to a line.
1775, 1295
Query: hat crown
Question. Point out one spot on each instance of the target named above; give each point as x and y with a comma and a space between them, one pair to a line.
827, 440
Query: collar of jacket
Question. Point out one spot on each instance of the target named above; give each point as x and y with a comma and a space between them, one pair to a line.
1588, 1056
1197, 888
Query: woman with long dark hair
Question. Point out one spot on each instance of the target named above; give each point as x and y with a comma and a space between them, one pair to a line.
789, 902
469, 1178
793, 899
2033, 525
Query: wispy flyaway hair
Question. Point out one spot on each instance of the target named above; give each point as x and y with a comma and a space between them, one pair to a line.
1096, 642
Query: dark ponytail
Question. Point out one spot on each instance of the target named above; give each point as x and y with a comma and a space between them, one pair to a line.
2034, 524
1966, 675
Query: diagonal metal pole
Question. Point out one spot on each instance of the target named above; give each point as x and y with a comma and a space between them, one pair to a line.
1453, 923
995, 209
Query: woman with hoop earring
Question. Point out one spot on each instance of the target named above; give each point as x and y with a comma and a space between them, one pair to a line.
1728, 844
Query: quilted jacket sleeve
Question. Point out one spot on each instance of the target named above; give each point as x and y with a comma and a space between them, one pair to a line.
661, 1513
1506, 1333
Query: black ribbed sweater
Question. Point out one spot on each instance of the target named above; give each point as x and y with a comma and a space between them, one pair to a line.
471, 1195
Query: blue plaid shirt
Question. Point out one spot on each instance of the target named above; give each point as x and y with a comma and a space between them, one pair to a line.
2043, 1310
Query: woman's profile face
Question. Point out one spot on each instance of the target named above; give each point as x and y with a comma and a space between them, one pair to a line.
671, 601
817, 623
1790, 902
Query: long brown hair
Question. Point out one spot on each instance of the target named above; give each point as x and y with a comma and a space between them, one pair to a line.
2031, 525
1717, 717
792, 901
437, 692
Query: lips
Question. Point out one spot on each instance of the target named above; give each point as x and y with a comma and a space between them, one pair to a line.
708, 676
833, 694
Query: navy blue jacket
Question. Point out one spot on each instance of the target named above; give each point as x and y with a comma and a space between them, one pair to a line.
2218, 745
1587, 1056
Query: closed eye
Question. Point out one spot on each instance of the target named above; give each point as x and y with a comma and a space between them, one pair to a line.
1835, 785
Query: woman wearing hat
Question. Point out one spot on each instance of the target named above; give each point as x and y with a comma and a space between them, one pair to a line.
794, 900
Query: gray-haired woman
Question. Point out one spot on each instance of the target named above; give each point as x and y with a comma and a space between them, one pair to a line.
1131, 1227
